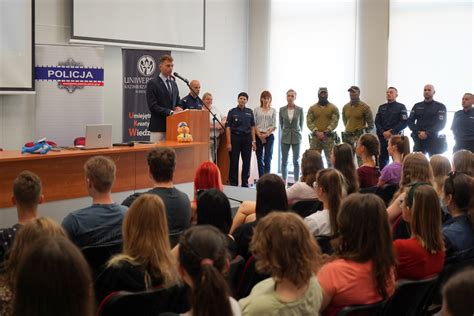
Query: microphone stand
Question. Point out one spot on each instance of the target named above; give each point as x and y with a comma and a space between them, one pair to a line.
214, 120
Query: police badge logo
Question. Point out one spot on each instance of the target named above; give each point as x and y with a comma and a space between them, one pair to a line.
146, 65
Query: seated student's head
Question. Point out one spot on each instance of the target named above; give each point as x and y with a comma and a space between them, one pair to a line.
330, 188
203, 259
53, 279
458, 193
342, 158
398, 144
161, 163
213, 208
415, 168
463, 161
360, 216
368, 145
145, 238
278, 240
207, 176
458, 292
29, 233
311, 163
100, 174
27, 192
271, 195
441, 168
421, 208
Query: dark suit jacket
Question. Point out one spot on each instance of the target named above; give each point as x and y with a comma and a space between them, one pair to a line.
160, 103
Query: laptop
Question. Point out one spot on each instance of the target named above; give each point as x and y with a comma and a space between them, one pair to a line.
98, 136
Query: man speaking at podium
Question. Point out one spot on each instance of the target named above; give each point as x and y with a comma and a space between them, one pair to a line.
162, 96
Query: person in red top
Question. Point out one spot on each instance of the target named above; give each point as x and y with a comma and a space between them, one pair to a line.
363, 268
421, 256
368, 149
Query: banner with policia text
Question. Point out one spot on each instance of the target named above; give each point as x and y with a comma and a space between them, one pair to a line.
139, 67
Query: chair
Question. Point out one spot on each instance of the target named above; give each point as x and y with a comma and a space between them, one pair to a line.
366, 310
97, 256
305, 208
249, 278
386, 192
80, 141
368, 189
236, 268
324, 243
146, 303
410, 297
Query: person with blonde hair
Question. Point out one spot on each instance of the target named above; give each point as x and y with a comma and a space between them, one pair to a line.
29, 233
146, 260
398, 148
422, 255
441, 168
285, 250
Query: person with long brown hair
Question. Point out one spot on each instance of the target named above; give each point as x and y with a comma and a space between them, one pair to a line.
441, 168
265, 125
146, 260
458, 232
362, 269
342, 158
330, 189
398, 148
463, 161
28, 234
292, 289
203, 259
311, 163
422, 255
54, 279
368, 149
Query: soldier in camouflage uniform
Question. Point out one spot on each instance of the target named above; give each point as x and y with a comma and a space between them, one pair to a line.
357, 118
322, 120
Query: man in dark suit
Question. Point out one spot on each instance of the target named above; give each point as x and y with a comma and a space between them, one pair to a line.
162, 96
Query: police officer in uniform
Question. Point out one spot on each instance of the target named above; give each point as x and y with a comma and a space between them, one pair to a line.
240, 133
463, 125
322, 120
192, 101
391, 119
426, 120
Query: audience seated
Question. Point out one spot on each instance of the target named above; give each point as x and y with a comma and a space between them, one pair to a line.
330, 189
398, 148
342, 158
29, 233
53, 279
146, 259
458, 231
162, 163
213, 208
303, 190
463, 161
100, 223
458, 293
203, 258
415, 168
293, 289
441, 168
207, 176
422, 255
27, 194
368, 149
362, 269
271, 196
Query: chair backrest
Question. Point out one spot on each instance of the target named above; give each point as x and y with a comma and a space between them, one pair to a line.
305, 208
324, 243
386, 192
410, 297
368, 189
365, 310
236, 268
145, 303
80, 141
97, 256
249, 278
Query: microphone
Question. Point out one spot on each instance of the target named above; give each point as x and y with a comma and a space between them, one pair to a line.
181, 77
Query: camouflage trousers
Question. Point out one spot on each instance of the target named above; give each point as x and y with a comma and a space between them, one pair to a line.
351, 139
325, 145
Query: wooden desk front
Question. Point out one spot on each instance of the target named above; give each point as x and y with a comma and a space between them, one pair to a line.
62, 173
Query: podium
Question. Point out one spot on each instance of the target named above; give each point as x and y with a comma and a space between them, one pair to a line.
198, 123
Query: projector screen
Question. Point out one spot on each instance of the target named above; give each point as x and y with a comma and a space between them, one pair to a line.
160, 23
16, 45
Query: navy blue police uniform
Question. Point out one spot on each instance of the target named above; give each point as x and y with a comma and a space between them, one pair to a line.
429, 117
190, 103
463, 129
240, 121
391, 117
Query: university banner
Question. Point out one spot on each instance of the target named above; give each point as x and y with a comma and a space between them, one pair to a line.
139, 67
69, 91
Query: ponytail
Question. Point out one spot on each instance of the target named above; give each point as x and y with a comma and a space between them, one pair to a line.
333, 184
401, 143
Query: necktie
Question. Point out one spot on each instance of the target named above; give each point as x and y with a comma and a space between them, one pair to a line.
168, 84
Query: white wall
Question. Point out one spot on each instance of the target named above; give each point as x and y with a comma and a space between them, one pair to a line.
221, 68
